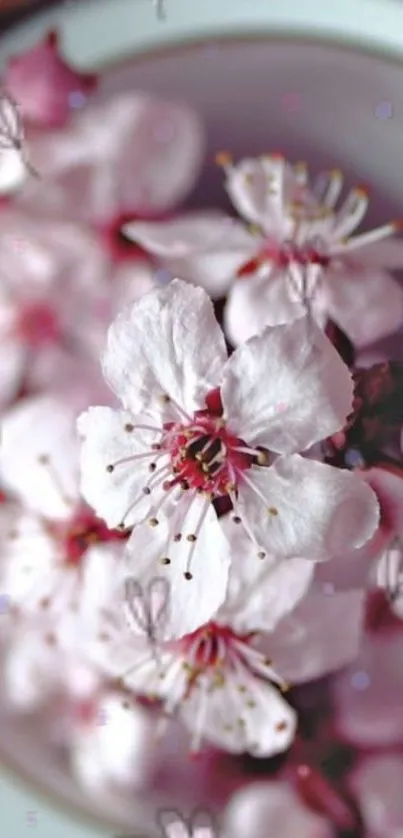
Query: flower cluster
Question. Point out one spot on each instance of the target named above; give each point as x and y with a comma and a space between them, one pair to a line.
197, 516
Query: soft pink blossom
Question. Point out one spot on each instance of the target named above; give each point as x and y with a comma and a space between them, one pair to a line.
223, 688
196, 426
131, 154
44, 85
52, 544
224, 680
298, 254
59, 292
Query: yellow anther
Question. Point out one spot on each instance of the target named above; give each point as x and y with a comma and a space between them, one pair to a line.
223, 158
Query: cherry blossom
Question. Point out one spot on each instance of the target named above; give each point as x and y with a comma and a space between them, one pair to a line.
59, 292
44, 85
52, 544
300, 253
222, 687
225, 679
133, 154
197, 426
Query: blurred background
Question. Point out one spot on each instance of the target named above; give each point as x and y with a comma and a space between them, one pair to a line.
340, 93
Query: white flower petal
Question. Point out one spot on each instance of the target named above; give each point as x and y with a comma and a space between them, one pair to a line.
193, 601
159, 153
377, 784
270, 808
39, 456
206, 249
12, 366
269, 726
260, 593
367, 305
301, 507
117, 648
114, 747
388, 574
287, 388
98, 576
132, 153
383, 254
105, 441
322, 634
256, 302
29, 561
130, 280
368, 695
256, 188
31, 672
13, 170
168, 343
183, 235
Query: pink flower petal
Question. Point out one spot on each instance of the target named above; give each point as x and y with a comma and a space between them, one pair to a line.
365, 304
256, 302
44, 85
388, 487
385, 254
322, 634
269, 809
368, 695
377, 784
132, 154
204, 248
183, 235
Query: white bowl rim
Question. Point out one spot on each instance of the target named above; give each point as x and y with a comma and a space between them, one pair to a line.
96, 32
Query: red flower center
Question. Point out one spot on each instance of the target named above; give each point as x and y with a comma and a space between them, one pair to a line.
205, 456
281, 256
120, 247
212, 645
38, 325
82, 532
